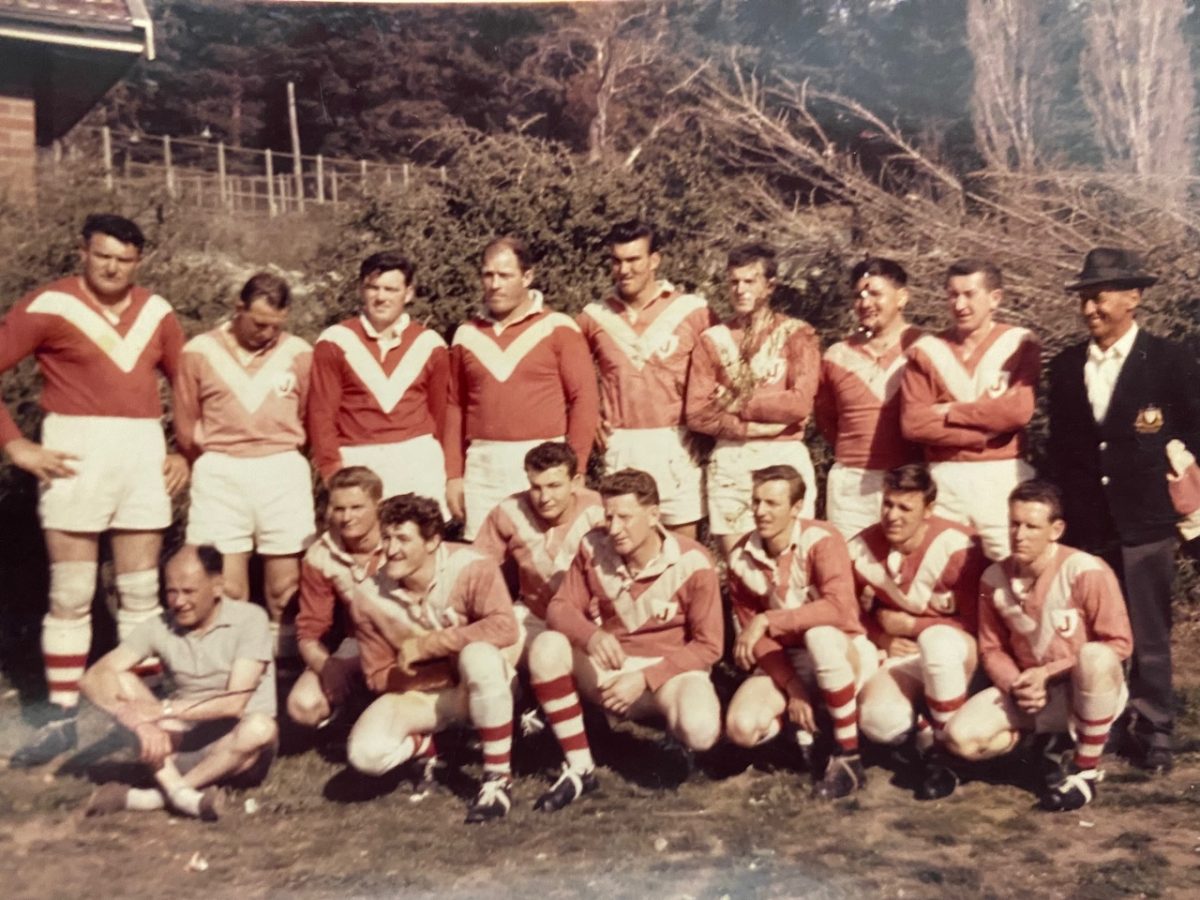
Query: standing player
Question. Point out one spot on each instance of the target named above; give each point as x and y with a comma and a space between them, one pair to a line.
379, 385
1053, 632
432, 645
642, 341
218, 724
239, 405
966, 396
636, 627
342, 562
793, 593
539, 530
751, 387
520, 377
917, 577
100, 342
858, 402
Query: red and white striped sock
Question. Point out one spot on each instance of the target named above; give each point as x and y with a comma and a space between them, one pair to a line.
65, 644
497, 748
560, 701
1092, 715
944, 652
843, 709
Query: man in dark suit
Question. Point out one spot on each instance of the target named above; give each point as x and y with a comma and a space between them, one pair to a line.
1115, 402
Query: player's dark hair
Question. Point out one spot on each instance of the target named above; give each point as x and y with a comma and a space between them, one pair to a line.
510, 242
913, 478
550, 454
266, 286
423, 512
992, 279
881, 267
630, 481
209, 557
117, 227
633, 230
1039, 491
357, 477
749, 254
387, 261
795, 483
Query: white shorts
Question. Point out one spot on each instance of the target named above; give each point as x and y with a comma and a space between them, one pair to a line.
530, 625
494, 470
240, 504
118, 480
976, 493
729, 485
415, 466
853, 498
868, 662
664, 453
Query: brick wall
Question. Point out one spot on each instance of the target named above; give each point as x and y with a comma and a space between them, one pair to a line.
17, 146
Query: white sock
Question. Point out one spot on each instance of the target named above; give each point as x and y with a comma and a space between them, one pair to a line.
145, 799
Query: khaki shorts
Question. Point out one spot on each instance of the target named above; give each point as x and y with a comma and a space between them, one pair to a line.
118, 480
240, 504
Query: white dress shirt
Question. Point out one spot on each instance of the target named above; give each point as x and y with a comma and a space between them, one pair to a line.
1102, 368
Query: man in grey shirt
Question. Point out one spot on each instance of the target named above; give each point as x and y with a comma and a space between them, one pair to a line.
218, 723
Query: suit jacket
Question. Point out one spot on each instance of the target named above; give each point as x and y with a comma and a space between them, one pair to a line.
1113, 474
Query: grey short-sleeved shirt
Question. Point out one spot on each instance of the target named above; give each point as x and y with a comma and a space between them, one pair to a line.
200, 664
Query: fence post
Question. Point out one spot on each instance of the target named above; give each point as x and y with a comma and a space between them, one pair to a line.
222, 187
297, 159
320, 178
362, 167
270, 184
166, 145
404, 175
106, 146
387, 175
333, 188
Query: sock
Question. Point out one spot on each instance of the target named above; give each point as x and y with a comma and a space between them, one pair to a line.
1092, 717
829, 649
943, 667
497, 748
490, 704
65, 644
179, 794
560, 702
145, 799
138, 595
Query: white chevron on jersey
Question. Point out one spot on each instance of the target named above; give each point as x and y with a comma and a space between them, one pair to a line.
123, 351
671, 571
551, 567
659, 338
386, 389
882, 382
987, 379
748, 565
501, 362
251, 389
920, 598
768, 364
1058, 615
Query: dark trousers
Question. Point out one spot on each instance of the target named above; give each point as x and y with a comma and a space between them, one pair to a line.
1146, 572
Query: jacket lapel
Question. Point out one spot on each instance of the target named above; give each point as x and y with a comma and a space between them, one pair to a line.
1122, 410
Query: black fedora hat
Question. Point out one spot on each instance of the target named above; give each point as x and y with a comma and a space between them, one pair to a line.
1112, 266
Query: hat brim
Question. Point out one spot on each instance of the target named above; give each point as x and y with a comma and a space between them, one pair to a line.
1119, 284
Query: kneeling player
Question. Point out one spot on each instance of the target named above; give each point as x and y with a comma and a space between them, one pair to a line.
658, 631
918, 576
431, 644
1053, 631
792, 590
218, 724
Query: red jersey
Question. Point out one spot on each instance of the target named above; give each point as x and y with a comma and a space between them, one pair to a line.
774, 376
670, 609
329, 573
938, 582
858, 404
1025, 623
522, 381
92, 362
513, 531
808, 585
369, 388
244, 403
991, 394
643, 356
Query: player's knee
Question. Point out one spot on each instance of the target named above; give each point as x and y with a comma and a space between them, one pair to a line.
698, 718
307, 703
481, 664
884, 723
72, 587
942, 645
256, 731
549, 656
825, 642
1096, 658
743, 726
962, 738
138, 591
